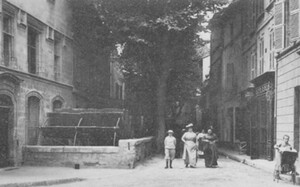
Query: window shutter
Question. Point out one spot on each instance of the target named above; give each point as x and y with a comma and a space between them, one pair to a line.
294, 19
279, 24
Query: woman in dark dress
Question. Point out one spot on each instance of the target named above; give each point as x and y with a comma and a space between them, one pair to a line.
210, 149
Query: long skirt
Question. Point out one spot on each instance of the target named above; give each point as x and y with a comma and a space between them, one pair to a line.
210, 155
190, 153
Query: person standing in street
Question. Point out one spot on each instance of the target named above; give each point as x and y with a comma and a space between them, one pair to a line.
210, 149
170, 147
201, 144
190, 147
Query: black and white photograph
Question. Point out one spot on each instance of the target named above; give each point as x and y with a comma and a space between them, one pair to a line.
149, 93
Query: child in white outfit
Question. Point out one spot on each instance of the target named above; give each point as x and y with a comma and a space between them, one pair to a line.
170, 146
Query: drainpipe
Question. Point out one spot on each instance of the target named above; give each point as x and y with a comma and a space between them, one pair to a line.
275, 102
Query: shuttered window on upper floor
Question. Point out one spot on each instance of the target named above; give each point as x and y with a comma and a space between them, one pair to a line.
279, 24
294, 19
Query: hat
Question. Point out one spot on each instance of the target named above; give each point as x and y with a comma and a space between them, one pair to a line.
189, 125
170, 131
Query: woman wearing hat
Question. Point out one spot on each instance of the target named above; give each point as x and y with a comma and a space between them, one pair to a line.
190, 147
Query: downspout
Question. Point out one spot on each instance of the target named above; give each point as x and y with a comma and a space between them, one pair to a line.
275, 102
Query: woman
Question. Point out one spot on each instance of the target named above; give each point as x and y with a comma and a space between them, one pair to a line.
210, 149
200, 143
190, 148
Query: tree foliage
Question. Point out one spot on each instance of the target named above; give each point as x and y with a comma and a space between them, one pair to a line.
158, 37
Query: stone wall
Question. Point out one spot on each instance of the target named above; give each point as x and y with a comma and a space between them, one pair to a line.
127, 155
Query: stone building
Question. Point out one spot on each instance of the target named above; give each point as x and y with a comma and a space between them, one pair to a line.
36, 70
246, 108
226, 71
262, 75
287, 37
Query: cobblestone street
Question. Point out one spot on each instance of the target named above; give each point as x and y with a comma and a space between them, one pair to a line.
152, 173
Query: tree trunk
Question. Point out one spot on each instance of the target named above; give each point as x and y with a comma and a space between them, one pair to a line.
161, 103
162, 92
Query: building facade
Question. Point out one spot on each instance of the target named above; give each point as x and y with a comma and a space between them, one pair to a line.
287, 37
246, 110
36, 70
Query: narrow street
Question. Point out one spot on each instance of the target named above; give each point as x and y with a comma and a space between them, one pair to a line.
153, 174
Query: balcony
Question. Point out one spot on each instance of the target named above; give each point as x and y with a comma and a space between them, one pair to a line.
264, 77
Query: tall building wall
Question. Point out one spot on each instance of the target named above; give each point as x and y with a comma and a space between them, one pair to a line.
36, 67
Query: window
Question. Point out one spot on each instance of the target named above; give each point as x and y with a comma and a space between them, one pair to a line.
261, 49
32, 45
253, 65
278, 25
260, 7
7, 38
57, 57
272, 61
294, 18
33, 118
118, 91
57, 104
253, 14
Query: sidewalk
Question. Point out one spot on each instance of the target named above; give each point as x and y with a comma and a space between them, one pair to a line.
265, 165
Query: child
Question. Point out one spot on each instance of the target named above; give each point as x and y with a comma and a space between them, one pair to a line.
170, 145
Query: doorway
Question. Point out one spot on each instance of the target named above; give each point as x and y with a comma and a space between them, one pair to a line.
33, 120
6, 124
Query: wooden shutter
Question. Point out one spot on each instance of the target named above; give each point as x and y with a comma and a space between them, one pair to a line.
294, 19
279, 25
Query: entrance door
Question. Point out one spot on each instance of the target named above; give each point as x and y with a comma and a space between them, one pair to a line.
33, 120
5, 122
262, 129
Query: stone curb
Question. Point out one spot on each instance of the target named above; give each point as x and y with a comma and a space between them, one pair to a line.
243, 161
43, 183
251, 164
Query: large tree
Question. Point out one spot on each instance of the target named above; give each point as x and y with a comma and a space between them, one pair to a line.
158, 38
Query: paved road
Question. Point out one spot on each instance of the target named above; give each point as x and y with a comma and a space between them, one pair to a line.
153, 174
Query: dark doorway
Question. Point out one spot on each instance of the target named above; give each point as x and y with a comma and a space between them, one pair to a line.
33, 120
6, 119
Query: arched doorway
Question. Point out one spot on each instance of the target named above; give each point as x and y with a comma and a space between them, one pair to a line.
33, 120
6, 127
